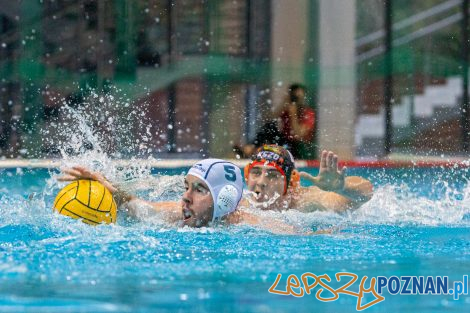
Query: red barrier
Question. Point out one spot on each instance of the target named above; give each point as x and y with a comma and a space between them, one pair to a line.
393, 164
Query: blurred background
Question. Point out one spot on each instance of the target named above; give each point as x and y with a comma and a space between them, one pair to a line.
193, 78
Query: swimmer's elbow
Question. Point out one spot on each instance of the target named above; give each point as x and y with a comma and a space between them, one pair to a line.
359, 189
359, 183
366, 191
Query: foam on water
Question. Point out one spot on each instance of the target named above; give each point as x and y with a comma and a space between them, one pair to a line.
394, 203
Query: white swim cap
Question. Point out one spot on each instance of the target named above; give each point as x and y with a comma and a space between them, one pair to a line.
225, 183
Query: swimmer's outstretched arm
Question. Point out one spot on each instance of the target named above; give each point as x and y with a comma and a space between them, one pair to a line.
142, 209
331, 179
134, 206
312, 199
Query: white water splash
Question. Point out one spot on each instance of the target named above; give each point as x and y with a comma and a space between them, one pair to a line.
395, 204
101, 129
390, 205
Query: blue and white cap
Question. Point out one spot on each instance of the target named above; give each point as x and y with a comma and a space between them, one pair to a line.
225, 183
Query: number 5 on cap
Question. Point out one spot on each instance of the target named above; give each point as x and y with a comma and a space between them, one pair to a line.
230, 173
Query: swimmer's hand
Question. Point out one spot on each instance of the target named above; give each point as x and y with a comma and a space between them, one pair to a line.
329, 178
79, 172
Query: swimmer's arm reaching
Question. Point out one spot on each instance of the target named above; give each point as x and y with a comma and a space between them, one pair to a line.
142, 209
331, 179
270, 224
312, 199
133, 206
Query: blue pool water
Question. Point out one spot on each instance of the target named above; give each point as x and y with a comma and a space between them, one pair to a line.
417, 224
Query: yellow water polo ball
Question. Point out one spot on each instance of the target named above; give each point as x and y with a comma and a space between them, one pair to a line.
87, 200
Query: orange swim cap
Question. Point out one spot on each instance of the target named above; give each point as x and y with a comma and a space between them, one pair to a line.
278, 157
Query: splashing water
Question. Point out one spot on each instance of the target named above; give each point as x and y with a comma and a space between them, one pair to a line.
103, 128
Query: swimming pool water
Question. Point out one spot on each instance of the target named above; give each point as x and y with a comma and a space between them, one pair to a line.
417, 224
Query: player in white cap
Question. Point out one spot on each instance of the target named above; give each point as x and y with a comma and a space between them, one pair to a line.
218, 179
214, 188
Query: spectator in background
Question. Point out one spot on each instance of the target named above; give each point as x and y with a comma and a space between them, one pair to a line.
292, 126
297, 120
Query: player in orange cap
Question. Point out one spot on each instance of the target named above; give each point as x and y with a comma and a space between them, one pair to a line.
275, 183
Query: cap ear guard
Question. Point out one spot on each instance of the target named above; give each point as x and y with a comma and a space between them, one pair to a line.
226, 202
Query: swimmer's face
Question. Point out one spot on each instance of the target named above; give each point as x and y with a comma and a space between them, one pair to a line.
197, 204
266, 182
